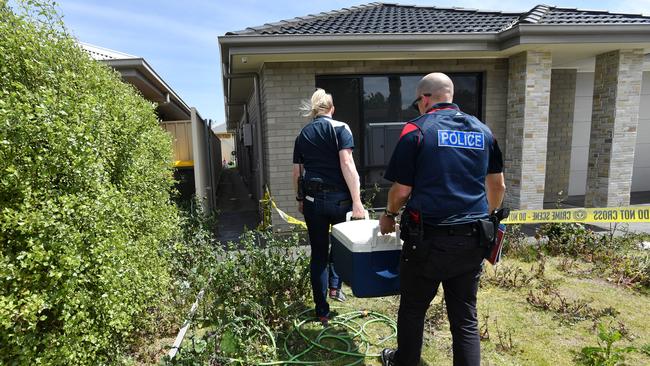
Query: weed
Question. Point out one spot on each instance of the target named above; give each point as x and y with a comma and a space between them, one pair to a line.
605, 354
484, 331
504, 336
566, 264
504, 339
567, 311
507, 277
645, 349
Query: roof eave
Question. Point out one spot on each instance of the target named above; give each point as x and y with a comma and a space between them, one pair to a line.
151, 75
575, 33
361, 42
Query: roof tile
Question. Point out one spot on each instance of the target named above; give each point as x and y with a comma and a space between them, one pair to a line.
384, 18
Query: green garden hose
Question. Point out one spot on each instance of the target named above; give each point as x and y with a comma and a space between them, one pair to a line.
355, 322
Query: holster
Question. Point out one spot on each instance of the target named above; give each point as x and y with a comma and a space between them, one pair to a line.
488, 230
412, 233
301, 187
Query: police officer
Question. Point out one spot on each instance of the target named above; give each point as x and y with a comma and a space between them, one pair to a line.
329, 189
447, 168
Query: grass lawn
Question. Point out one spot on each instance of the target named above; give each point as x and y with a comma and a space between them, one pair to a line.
516, 333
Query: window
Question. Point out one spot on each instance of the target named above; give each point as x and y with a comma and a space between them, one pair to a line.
376, 108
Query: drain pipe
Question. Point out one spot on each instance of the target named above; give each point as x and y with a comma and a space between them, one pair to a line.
258, 130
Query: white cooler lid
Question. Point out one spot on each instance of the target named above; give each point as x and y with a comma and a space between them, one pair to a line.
357, 236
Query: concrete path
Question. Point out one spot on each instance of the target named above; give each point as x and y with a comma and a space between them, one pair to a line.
237, 210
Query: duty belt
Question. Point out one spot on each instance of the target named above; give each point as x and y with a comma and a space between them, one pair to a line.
469, 229
317, 187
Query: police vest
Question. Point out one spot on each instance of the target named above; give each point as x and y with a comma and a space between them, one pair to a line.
452, 163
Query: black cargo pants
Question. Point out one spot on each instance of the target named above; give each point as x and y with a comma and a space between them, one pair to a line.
456, 262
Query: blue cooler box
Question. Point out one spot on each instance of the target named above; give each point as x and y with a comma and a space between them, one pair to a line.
366, 260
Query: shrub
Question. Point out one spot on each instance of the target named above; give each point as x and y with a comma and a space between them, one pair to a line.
254, 295
84, 198
574, 240
515, 245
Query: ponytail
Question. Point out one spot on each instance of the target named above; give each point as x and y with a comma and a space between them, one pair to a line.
321, 103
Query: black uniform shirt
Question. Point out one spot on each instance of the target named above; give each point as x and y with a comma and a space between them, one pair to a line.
317, 148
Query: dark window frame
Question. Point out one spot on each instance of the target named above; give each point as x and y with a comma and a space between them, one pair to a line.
480, 88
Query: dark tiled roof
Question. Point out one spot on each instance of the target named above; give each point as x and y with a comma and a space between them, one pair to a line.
380, 18
577, 16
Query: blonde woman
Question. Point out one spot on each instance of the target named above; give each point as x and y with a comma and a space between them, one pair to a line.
326, 182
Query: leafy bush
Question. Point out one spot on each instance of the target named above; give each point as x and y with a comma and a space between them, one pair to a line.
192, 254
626, 269
84, 198
616, 256
571, 239
515, 245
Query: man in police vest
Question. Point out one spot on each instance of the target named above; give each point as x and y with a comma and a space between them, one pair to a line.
448, 169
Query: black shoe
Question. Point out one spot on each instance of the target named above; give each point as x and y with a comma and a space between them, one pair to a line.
387, 357
337, 294
324, 321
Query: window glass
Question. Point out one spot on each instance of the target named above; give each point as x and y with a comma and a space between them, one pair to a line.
376, 108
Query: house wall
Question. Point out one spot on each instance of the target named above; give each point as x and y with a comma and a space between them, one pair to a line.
582, 129
181, 132
560, 131
285, 85
227, 145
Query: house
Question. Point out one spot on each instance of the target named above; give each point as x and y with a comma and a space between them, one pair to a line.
197, 151
565, 91
227, 140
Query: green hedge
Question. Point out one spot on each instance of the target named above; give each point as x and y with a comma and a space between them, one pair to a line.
85, 210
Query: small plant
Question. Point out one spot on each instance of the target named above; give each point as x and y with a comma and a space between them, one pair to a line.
567, 311
605, 354
566, 264
507, 277
504, 339
484, 331
504, 336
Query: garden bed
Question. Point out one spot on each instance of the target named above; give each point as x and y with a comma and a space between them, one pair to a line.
534, 309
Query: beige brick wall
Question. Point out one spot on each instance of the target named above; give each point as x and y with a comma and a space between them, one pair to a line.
560, 134
284, 85
614, 123
529, 86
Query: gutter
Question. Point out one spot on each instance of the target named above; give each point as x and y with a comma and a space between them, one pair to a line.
322, 39
521, 34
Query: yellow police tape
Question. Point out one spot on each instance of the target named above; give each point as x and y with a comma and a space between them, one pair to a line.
586, 215
569, 215
288, 218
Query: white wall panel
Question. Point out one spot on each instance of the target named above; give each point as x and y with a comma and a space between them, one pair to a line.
582, 127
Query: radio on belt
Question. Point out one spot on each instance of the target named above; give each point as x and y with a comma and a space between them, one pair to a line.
366, 260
